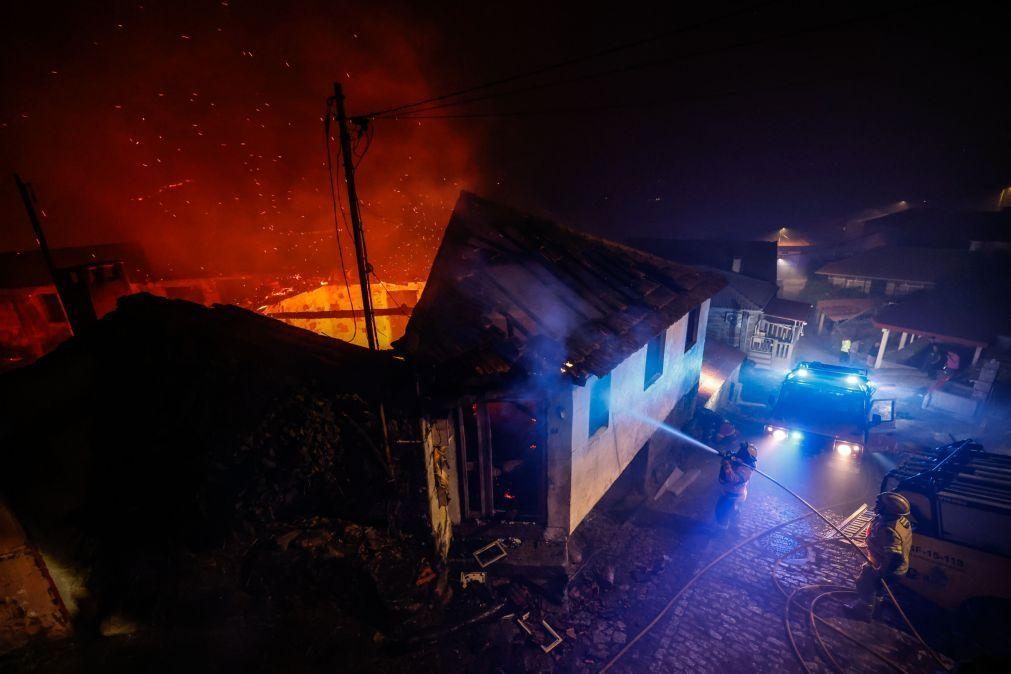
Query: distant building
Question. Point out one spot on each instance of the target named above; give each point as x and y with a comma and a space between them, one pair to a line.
33, 319
757, 259
939, 228
548, 358
746, 314
895, 270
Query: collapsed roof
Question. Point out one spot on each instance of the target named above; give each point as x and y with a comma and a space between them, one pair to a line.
511, 294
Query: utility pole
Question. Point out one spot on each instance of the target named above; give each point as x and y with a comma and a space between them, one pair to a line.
364, 268
28, 197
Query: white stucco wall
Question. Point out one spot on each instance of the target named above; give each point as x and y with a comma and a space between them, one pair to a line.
598, 461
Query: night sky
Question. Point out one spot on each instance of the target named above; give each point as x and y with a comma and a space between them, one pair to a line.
195, 127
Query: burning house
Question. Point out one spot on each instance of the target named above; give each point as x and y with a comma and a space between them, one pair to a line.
547, 358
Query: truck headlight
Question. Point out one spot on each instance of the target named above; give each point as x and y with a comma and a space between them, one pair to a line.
778, 434
847, 448
796, 435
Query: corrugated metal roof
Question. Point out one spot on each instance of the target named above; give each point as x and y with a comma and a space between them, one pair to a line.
511, 294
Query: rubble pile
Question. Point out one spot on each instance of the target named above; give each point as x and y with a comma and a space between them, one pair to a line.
207, 467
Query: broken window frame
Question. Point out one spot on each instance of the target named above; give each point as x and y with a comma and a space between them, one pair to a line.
482, 504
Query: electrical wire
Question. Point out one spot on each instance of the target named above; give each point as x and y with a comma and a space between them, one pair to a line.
619, 107
653, 63
578, 59
369, 133
334, 201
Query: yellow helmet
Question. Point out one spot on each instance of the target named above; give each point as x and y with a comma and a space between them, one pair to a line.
892, 503
748, 453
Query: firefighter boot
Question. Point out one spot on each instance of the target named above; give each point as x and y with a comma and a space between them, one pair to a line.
861, 609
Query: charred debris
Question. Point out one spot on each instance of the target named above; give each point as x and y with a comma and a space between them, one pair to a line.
189, 467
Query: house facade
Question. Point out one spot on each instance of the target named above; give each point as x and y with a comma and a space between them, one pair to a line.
895, 271
748, 316
547, 359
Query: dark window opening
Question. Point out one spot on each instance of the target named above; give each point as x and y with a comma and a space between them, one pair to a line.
502, 452
600, 403
692, 333
517, 467
53, 308
654, 359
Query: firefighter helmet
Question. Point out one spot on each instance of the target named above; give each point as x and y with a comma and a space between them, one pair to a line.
892, 503
748, 453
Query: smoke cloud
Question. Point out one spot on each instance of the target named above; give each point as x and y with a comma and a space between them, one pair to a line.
197, 131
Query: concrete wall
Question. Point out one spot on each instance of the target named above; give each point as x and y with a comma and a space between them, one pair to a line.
598, 461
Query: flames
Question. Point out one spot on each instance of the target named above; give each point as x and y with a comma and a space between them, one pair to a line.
330, 310
198, 133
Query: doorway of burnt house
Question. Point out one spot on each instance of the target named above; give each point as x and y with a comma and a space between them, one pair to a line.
501, 446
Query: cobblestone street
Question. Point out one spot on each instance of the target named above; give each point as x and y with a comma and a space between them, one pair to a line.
730, 618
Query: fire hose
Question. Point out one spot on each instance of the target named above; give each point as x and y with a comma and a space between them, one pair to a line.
670, 604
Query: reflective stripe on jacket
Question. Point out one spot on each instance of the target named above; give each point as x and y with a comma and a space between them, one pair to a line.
889, 543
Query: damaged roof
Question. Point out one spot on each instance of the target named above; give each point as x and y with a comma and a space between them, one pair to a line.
511, 294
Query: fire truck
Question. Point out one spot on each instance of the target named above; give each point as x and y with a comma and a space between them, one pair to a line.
828, 407
960, 498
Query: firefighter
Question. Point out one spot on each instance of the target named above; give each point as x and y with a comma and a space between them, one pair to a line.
844, 350
735, 473
889, 540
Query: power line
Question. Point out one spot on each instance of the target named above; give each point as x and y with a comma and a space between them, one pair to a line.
617, 107
579, 59
652, 63
334, 198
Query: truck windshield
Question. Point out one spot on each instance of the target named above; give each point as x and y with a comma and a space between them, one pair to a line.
821, 405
